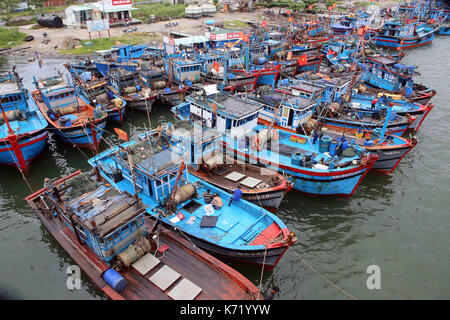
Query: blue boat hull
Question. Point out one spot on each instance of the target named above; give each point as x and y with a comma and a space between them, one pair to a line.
343, 183
82, 137
406, 43
30, 148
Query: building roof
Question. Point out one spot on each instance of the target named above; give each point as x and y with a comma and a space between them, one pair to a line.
107, 7
82, 7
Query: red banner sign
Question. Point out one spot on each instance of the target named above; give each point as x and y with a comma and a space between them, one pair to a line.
120, 2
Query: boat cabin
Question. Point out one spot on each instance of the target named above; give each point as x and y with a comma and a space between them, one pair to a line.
104, 219
230, 115
387, 73
155, 173
336, 84
291, 111
123, 81
183, 70
395, 29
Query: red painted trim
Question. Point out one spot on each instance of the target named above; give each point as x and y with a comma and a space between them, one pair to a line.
424, 116
395, 166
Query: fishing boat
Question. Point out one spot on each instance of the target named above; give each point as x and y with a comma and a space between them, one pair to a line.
390, 148
308, 57
383, 74
153, 77
404, 35
313, 172
23, 133
240, 82
444, 30
360, 102
292, 111
124, 254
127, 85
238, 231
95, 92
361, 121
72, 119
206, 161
80, 66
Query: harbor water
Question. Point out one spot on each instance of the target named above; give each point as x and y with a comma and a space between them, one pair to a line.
399, 222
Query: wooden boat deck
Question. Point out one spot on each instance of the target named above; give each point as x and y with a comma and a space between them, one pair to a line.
216, 280
269, 178
85, 113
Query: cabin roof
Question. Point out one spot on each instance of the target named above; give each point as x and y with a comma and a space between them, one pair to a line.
308, 86
8, 88
104, 210
161, 163
229, 106
274, 98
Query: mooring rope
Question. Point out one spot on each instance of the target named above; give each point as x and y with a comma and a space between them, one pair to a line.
322, 276
262, 272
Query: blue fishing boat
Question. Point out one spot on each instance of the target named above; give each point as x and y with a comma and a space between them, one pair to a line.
153, 77
375, 104
444, 30
390, 148
95, 92
216, 70
128, 86
203, 151
73, 120
335, 85
240, 231
314, 171
292, 111
23, 133
404, 35
361, 121
384, 74
308, 57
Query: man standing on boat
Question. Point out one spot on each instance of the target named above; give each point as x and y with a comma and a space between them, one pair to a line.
237, 194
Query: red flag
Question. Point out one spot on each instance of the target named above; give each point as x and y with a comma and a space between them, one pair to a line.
303, 60
288, 12
246, 38
360, 31
330, 52
310, 6
216, 66
264, 24
122, 134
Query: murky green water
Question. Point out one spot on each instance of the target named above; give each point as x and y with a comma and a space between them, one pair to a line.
399, 222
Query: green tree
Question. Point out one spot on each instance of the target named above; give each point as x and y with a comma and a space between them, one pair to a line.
8, 6
35, 5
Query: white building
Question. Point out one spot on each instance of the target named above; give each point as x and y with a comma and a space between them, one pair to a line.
77, 15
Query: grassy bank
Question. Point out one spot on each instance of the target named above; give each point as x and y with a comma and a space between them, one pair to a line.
107, 43
43, 10
235, 24
11, 37
162, 11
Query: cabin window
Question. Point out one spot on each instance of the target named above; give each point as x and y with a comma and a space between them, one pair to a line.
150, 189
228, 123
